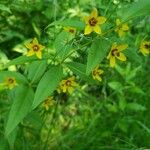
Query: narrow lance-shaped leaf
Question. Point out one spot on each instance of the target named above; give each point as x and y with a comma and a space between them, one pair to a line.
23, 98
4, 8
20, 60
80, 70
61, 43
24, 59
141, 7
73, 23
36, 70
48, 84
135, 107
96, 54
12, 138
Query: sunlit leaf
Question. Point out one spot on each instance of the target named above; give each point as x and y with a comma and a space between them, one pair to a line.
22, 102
96, 53
47, 84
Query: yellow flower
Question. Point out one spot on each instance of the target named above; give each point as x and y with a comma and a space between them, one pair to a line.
121, 28
145, 47
67, 86
70, 30
49, 101
96, 73
93, 22
35, 48
116, 52
10, 83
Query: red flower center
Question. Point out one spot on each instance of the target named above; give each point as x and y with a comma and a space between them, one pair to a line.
35, 48
147, 46
68, 83
95, 73
93, 21
10, 80
115, 52
71, 30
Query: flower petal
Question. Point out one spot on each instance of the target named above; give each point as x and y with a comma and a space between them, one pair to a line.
144, 51
72, 78
94, 13
35, 41
59, 90
109, 55
112, 61
118, 22
114, 45
64, 89
97, 29
39, 54
122, 57
121, 33
41, 47
70, 90
94, 77
101, 71
74, 84
88, 30
125, 27
28, 45
99, 78
101, 20
86, 18
30, 53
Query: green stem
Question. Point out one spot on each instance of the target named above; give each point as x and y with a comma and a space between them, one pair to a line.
75, 51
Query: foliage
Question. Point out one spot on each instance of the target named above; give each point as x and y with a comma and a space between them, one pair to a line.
74, 74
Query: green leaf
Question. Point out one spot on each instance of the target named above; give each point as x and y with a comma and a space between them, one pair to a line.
80, 70
3, 58
36, 70
47, 84
11, 138
122, 103
5, 8
34, 118
24, 59
10, 34
61, 43
137, 90
3, 144
65, 51
131, 73
73, 23
135, 107
123, 125
36, 29
144, 126
133, 56
21, 60
23, 98
112, 107
19, 77
96, 54
115, 85
128, 73
141, 7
